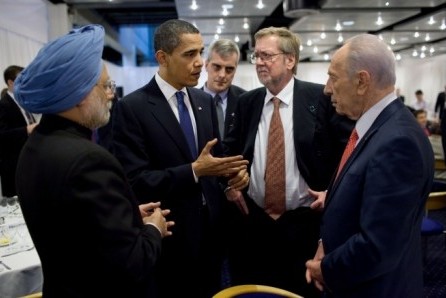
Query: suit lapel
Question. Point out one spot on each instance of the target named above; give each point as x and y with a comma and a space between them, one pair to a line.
391, 109
162, 111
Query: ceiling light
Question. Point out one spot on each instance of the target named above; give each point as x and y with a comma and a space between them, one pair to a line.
216, 36
221, 21
309, 43
387, 3
236, 38
299, 8
326, 57
431, 21
225, 12
392, 41
427, 38
416, 34
245, 24
340, 38
443, 25
260, 4
348, 23
422, 55
338, 26
398, 57
379, 20
414, 53
225, 9
323, 35
423, 48
431, 50
301, 48
218, 30
315, 49
194, 5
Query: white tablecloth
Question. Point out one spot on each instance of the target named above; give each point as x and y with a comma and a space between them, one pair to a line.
20, 269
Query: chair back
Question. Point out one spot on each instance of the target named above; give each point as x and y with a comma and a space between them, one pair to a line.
255, 291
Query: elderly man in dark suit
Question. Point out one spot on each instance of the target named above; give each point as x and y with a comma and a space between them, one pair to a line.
370, 235
15, 126
221, 63
108, 247
274, 238
165, 135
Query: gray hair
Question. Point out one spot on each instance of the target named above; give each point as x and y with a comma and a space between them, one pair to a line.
224, 48
168, 34
368, 52
289, 43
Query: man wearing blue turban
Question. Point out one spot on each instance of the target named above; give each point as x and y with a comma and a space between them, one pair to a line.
109, 244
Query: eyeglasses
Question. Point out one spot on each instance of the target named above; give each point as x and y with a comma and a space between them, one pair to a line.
265, 57
109, 85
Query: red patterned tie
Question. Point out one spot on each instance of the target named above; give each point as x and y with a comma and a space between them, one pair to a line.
348, 150
275, 166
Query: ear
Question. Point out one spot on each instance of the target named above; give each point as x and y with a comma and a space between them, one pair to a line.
363, 82
290, 61
162, 58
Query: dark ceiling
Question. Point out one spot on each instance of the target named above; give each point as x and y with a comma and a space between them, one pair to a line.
413, 28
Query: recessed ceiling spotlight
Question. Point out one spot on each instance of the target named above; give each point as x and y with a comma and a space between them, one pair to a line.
414, 53
416, 34
194, 5
260, 4
218, 30
422, 55
431, 21
427, 38
340, 38
309, 42
392, 41
326, 57
221, 21
216, 36
236, 38
323, 35
443, 24
338, 26
387, 3
423, 48
398, 57
301, 48
431, 50
315, 49
379, 20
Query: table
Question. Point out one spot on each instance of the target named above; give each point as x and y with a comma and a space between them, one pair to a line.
20, 268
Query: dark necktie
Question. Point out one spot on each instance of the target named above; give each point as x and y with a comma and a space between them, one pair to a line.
275, 166
30, 118
186, 123
220, 115
348, 150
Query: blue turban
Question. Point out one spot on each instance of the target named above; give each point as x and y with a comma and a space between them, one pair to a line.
63, 73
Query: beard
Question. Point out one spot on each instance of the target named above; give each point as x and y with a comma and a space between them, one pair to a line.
97, 112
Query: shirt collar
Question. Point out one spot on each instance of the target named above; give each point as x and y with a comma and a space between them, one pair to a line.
285, 95
167, 89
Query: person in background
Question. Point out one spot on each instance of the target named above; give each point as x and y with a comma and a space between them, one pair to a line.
165, 135
420, 103
370, 235
15, 125
273, 239
221, 64
439, 104
108, 245
421, 116
399, 95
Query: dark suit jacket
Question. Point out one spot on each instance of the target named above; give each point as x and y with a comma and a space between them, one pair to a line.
13, 136
320, 135
372, 218
439, 104
233, 94
83, 217
150, 144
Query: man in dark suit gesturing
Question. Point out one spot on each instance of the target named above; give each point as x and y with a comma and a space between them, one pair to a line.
272, 239
221, 64
370, 245
165, 135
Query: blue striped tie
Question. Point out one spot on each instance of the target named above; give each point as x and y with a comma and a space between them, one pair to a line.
186, 123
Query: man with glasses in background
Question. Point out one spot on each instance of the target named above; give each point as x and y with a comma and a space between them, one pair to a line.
278, 222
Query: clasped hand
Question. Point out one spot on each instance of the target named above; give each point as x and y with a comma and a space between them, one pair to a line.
151, 213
